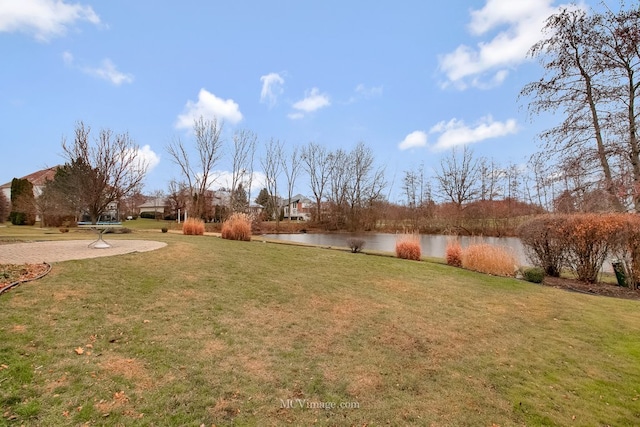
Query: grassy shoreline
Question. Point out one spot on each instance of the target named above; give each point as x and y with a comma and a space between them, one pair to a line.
209, 331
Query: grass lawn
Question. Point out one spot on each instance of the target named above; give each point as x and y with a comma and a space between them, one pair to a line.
213, 332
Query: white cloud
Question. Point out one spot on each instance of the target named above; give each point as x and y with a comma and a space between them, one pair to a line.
67, 57
271, 88
43, 19
368, 92
109, 72
208, 106
487, 64
455, 132
363, 92
313, 100
147, 155
414, 139
106, 71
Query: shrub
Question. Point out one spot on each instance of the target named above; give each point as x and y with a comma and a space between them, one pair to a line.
533, 274
355, 244
626, 247
489, 259
589, 239
544, 243
453, 253
193, 227
164, 229
408, 247
237, 227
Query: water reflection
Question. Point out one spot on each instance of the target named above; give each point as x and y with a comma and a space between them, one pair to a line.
432, 245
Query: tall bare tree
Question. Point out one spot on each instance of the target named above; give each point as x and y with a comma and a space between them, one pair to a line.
198, 174
291, 165
317, 163
102, 172
578, 83
365, 185
244, 148
272, 168
458, 177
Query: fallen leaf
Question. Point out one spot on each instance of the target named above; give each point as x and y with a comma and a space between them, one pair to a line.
79, 350
145, 321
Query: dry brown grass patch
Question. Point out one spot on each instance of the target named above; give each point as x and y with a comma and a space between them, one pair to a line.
237, 227
130, 369
193, 227
408, 247
489, 259
453, 253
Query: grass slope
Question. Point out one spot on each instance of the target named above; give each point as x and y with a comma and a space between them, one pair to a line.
209, 331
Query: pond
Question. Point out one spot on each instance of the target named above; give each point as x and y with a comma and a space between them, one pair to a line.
432, 245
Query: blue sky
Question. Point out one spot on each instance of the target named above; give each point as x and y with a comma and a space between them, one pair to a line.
409, 78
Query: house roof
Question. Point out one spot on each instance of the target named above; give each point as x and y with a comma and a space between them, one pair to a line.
158, 202
38, 178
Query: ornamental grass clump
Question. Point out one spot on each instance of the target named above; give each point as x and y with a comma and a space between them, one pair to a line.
453, 253
193, 227
408, 247
237, 227
489, 259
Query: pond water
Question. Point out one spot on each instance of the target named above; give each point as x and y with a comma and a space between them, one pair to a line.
432, 245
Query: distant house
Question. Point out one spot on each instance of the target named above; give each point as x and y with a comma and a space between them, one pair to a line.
154, 206
37, 179
298, 208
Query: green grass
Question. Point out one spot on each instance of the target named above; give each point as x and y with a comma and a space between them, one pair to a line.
210, 331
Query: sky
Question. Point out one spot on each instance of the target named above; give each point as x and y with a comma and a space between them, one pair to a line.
411, 79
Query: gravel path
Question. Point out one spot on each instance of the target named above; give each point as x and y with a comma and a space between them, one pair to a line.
37, 252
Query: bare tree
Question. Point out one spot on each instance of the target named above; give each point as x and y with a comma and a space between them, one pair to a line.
103, 172
458, 177
317, 163
177, 197
365, 184
620, 48
272, 167
244, 148
577, 82
291, 165
340, 163
199, 176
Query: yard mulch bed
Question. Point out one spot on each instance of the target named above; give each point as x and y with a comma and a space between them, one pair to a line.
602, 289
11, 273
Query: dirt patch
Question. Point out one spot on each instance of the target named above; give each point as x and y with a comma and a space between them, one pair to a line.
602, 289
131, 369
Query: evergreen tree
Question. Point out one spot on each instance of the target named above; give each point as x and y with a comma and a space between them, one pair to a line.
23, 211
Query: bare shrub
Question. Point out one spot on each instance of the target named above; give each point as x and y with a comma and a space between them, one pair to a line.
355, 244
408, 247
543, 242
489, 259
193, 227
453, 253
237, 227
626, 247
588, 239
